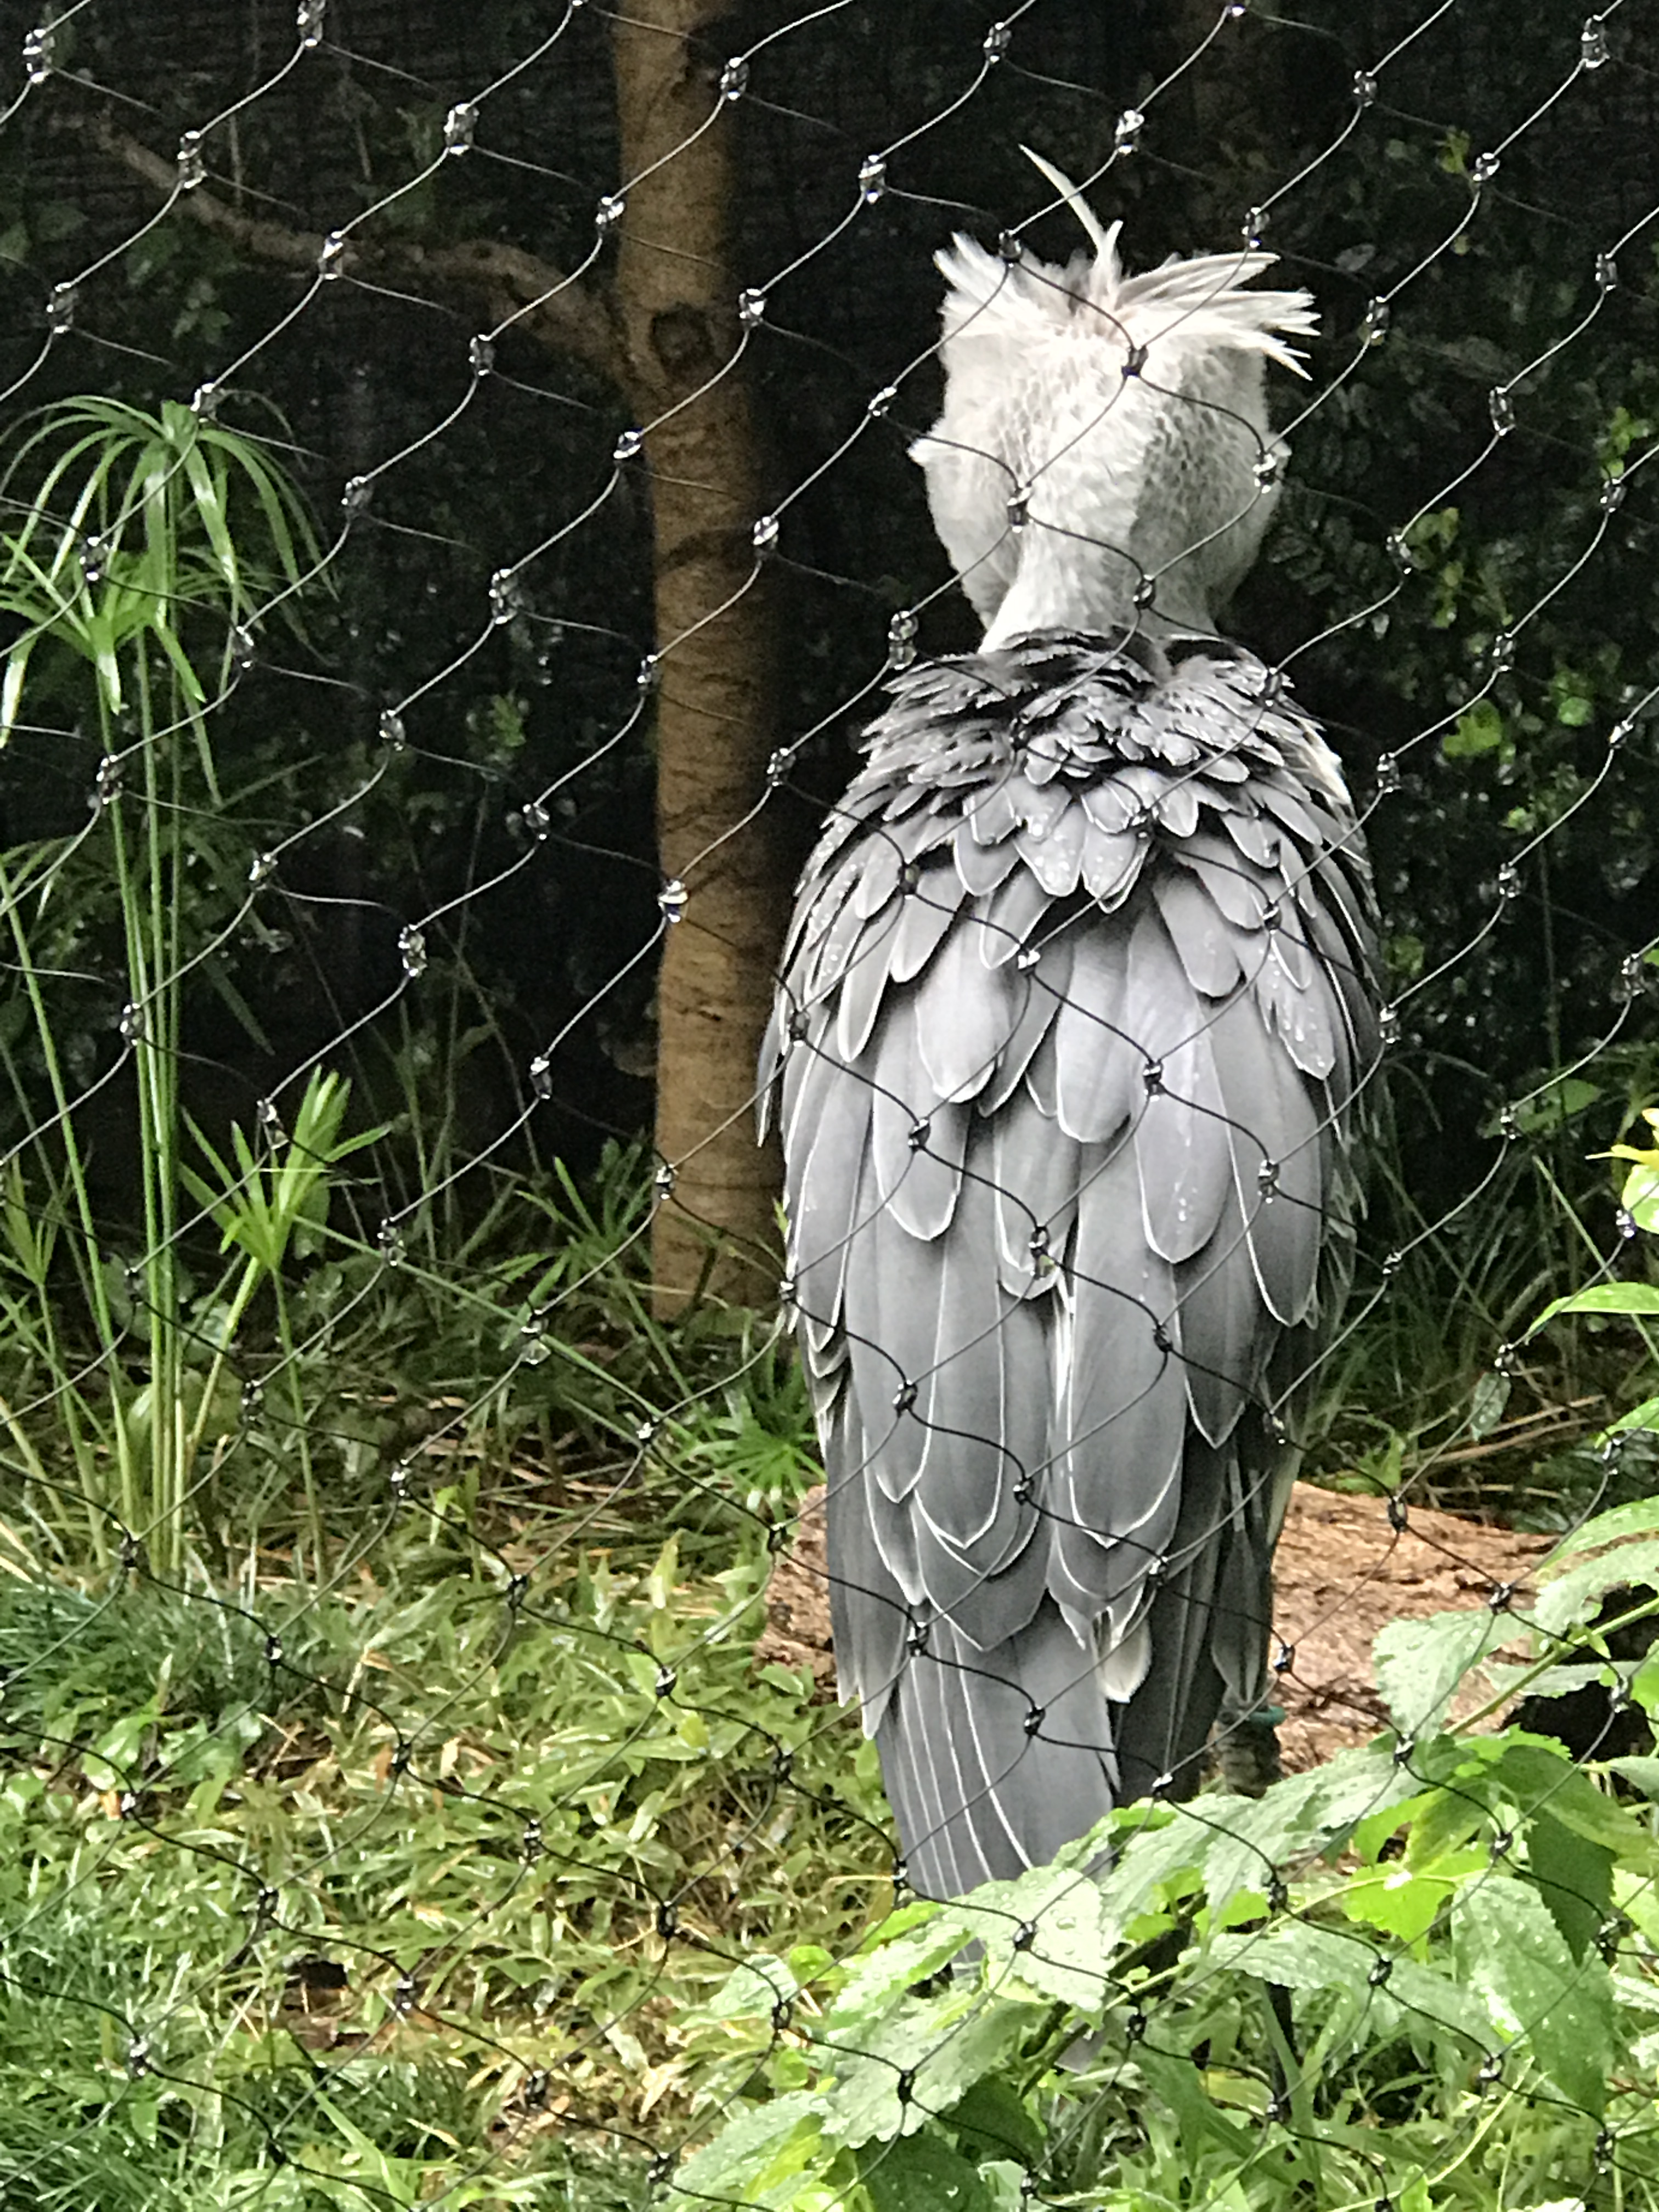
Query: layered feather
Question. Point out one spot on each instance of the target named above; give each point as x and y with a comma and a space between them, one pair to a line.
1204, 300
1073, 1030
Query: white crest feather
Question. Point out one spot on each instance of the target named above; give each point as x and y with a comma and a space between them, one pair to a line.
1128, 413
1206, 297
1104, 242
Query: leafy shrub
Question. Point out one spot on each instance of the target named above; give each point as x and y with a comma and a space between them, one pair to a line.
1425, 1974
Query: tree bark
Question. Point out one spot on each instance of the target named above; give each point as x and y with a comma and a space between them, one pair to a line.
677, 306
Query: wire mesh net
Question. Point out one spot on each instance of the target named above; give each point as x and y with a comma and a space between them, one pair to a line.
455, 515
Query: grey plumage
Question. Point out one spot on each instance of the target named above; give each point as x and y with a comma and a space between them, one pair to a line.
1074, 1021
1073, 1030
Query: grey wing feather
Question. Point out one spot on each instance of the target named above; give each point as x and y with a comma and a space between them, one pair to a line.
1207, 946
1048, 1303
965, 1014
1045, 986
1035, 1174
863, 982
1121, 1409
983, 868
926, 917
1098, 1064
831, 1129
1180, 1138
1227, 1328
1007, 921
1002, 1757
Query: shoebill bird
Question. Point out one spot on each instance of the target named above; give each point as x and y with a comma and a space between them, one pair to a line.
1073, 1023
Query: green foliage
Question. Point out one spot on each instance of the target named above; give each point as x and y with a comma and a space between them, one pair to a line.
424, 1425
143, 546
1425, 1973
482, 1791
126, 531
1636, 1302
1640, 1195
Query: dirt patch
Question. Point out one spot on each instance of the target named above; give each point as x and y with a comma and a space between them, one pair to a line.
1343, 1572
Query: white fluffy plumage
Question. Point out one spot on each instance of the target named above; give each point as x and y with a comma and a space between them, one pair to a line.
1099, 451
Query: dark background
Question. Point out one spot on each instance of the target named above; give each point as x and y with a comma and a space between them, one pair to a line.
367, 370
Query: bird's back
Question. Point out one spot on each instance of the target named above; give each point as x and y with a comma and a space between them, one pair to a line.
1073, 1025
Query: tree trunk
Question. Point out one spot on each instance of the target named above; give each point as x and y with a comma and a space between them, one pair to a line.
677, 298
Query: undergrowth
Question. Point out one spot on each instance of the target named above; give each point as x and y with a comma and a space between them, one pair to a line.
430, 1833
1424, 1975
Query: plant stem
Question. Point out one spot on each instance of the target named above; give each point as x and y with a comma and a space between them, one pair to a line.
296, 1397
10, 898
252, 1271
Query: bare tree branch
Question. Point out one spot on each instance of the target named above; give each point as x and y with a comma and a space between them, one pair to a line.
564, 317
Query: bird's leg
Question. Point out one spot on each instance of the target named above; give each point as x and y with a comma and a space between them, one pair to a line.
1245, 1745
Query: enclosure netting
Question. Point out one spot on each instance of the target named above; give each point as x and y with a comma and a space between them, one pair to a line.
409, 1791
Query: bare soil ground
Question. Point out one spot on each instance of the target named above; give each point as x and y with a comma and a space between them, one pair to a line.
1343, 1571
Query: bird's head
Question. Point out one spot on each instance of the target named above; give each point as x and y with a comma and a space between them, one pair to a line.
1104, 454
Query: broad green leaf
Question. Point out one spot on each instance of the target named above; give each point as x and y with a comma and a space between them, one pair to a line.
1547, 1108
1300, 1956
1640, 1196
1372, 1833
1577, 1596
1646, 1415
762, 2146
1641, 1772
1539, 1777
1486, 1406
1443, 1822
1571, 695
756, 1986
1074, 1934
1574, 1878
939, 2046
921, 2173
1602, 1298
660, 1583
1635, 1519
993, 2119
1406, 1901
881, 1980
1300, 1817
1161, 1857
1556, 2009
1508, 1681
1478, 729
1003, 2178
1419, 1664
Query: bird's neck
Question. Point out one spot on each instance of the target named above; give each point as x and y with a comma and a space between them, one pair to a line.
1068, 582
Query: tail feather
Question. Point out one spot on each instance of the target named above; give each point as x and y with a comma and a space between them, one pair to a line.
993, 1761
